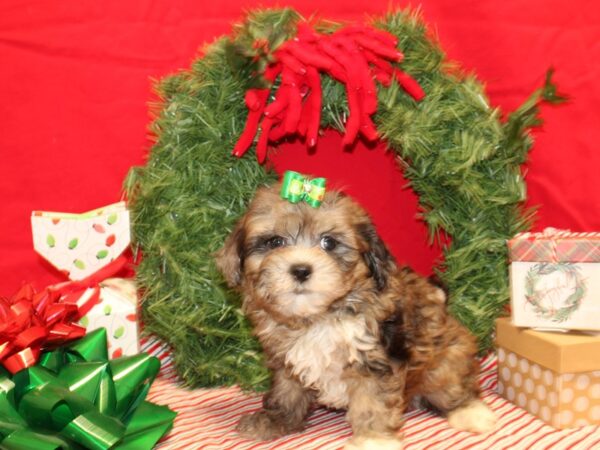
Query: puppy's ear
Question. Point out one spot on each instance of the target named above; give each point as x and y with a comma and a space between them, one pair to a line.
377, 257
230, 258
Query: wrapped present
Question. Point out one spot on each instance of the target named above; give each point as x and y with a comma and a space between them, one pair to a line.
117, 312
75, 398
555, 280
553, 375
88, 249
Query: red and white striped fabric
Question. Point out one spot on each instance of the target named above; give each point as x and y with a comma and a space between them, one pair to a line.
207, 418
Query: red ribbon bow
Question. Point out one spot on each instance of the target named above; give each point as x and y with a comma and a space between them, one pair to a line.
73, 291
355, 56
30, 321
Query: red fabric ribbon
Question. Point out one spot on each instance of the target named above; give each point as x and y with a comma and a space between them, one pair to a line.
355, 56
30, 321
73, 291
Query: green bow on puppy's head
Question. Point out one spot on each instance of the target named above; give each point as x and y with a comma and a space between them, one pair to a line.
297, 187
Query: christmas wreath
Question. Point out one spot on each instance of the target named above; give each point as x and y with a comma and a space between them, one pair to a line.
542, 299
279, 75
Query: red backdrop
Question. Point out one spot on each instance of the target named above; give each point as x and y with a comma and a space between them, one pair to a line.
76, 80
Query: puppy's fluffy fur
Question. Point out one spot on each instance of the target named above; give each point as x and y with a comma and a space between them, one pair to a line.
342, 325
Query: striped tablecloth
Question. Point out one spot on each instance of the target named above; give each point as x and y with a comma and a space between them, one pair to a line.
207, 418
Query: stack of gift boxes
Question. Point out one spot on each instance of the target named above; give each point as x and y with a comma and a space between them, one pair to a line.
549, 349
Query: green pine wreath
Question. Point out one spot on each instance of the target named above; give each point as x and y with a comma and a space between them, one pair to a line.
461, 157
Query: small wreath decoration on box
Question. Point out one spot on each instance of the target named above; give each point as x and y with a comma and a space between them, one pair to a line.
538, 298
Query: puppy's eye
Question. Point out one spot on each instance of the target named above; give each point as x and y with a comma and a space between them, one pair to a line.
275, 242
328, 243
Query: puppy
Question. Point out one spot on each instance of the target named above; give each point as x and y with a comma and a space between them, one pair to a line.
343, 326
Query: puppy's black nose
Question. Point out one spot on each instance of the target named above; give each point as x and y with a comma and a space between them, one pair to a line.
301, 272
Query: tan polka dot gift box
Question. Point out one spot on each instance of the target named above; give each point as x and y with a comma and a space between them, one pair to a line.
553, 375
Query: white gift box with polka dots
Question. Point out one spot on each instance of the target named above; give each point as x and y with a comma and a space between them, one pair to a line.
553, 375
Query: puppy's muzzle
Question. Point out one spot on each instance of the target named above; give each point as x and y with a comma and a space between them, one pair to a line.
301, 272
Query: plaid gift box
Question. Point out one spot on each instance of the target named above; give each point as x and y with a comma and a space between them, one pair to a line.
555, 280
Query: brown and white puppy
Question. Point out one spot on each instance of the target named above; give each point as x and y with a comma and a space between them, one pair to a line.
343, 326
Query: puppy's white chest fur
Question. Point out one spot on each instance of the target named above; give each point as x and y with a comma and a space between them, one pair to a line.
320, 355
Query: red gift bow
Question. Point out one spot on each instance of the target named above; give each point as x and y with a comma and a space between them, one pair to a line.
355, 56
30, 320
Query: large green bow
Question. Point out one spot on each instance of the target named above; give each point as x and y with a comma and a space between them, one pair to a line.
296, 187
75, 398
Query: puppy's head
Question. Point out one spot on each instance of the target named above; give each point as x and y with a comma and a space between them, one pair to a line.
294, 261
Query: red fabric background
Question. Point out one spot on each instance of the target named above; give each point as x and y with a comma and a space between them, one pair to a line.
75, 82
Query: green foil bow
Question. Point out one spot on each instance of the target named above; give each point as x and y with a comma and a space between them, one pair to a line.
296, 187
75, 398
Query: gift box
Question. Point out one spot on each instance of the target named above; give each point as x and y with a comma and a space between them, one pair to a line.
81, 244
555, 280
115, 310
88, 249
553, 375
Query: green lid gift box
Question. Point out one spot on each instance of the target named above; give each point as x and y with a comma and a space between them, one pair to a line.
88, 249
555, 280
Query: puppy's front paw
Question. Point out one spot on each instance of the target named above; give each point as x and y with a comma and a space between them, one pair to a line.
373, 443
259, 426
475, 416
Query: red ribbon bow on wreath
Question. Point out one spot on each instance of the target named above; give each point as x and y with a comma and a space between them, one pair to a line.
30, 321
355, 56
